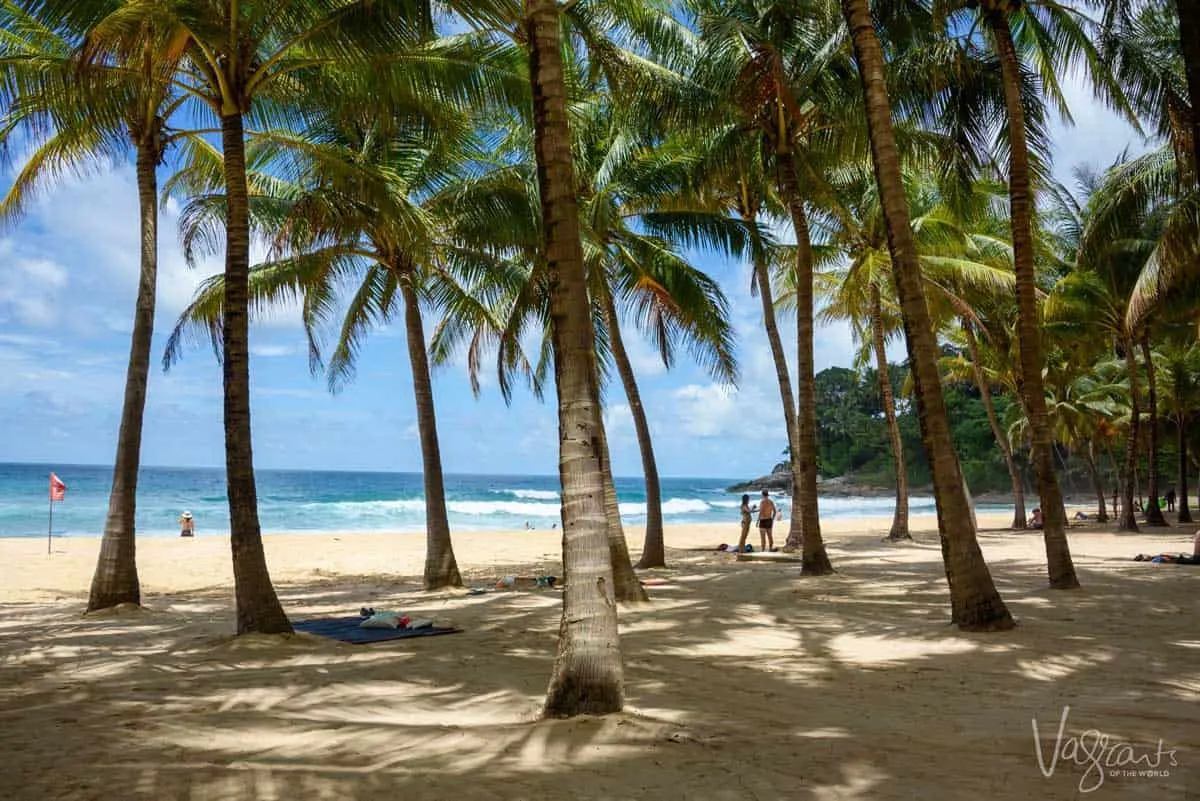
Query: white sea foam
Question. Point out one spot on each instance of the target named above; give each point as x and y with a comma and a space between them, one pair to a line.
671, 506
529, 494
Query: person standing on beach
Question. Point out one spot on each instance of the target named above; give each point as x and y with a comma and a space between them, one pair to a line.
187, 526
1170, 499
766, 519
746, 512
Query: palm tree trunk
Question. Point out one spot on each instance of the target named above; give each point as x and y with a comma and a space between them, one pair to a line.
258, 607
1185, 514
1189, 40
1097, 481
116, 578
762, 279
653, 549
626, 585
975, 604
1154, 515
1116, 474
900, 516
1128, 519
588, 676
814, 560
441, 569
1059, 566
1020, 522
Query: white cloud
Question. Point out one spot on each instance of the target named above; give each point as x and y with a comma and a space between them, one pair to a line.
273, 351
30, 288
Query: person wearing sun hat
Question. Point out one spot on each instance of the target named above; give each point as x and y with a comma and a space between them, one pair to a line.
187, 526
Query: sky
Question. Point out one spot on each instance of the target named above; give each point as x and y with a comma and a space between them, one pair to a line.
68, 279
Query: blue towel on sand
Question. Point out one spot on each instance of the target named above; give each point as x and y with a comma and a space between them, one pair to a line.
346, 629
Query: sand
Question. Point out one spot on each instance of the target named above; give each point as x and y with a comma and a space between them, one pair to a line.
743, 680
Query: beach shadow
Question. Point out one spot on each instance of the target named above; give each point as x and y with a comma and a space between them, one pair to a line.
743, 680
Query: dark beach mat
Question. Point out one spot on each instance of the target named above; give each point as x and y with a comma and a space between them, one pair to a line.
346, 629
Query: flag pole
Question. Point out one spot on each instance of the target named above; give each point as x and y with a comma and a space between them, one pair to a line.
50, 525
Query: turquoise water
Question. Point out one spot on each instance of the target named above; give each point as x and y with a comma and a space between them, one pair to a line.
345, 501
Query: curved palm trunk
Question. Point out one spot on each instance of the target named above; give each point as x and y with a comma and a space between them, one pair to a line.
1020, 522
588, 677
1097, 481
1189, 40
1185, 514
653, 549
1128, 519
441, 569
900, 516
975, 604
116, 578
814, 560
1059, 566
1154, 515
258, 608
626, 585
762, 279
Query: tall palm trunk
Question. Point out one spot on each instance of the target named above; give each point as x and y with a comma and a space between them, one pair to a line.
1189, 40
1128, 519
653, 549
441, 569
626, 586
1097, 481
1020, 522
762, 280
587, 676
900, 516
258, 608
1185, 514
1059, 566
116, 578
814, 559
975, 603
1154, 515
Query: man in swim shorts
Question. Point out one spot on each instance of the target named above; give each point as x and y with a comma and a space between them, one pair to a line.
766, 519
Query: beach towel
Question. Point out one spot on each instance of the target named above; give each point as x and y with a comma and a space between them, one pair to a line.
347, 629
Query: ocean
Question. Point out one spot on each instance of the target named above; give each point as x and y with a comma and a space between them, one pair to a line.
313, 501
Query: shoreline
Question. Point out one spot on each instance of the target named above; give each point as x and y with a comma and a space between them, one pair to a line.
172, 565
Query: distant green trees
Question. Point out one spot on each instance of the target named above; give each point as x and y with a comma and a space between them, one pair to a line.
853, 438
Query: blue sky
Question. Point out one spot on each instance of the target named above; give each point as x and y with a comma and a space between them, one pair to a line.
68, 277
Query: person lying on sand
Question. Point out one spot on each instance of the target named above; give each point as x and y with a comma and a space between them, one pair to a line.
1168, 559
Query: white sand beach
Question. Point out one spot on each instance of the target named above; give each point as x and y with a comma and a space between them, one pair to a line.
743, 680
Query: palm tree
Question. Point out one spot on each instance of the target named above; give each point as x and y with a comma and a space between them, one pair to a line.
991, 366
1189, 39
953, 259
631, 216
1054, 38
81, 115
1182, 389
588, 676
782, 69
260, 62
375, 202
975, 603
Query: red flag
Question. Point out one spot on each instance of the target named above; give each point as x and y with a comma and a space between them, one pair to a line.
58, 490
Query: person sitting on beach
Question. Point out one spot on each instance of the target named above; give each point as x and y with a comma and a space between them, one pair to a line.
746, 517
187, 526
1081, 516
766, 519
1035, 519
